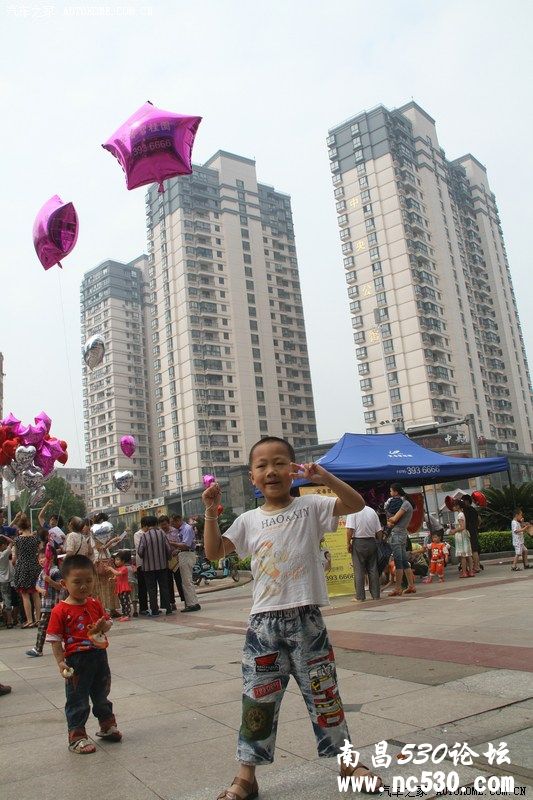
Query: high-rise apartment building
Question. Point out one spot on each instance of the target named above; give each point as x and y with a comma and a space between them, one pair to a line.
115, 398
433, 310
226, 332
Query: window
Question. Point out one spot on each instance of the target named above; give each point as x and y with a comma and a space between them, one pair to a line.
367, 400
363, 369
392, 379
370, 225
367, 209
374, 253
388, 346
381, 298
395, 396
397, 412
370, 416
361, 169
347, 247
376, 268
385, 330
365, 384
372, 238
359, 337
355, 306
360, 353
349, 261
358, 156
381, 314
357, 321
390, 362
379, 283
363, 182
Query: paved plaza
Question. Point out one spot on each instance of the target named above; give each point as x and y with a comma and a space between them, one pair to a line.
451, 664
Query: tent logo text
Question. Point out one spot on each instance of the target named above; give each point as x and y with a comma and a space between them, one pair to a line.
398, 454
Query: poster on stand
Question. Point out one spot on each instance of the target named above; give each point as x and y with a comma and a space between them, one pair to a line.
340, 577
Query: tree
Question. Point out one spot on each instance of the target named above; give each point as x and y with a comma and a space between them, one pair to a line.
502, 503
64, 501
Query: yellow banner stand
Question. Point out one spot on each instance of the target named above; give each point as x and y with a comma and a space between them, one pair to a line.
340, 577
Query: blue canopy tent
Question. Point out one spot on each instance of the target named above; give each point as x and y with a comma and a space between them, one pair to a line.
359, 458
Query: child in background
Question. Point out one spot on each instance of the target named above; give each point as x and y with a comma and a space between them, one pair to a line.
518, 528
438, 552
6, 576
76, 632
122, 585
325, 556
286, 634
463, 549
49, 587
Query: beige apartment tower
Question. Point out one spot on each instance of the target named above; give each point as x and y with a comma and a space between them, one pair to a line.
115, 395
227, 344
433, 310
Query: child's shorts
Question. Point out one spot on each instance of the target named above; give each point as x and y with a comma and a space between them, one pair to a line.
463, 548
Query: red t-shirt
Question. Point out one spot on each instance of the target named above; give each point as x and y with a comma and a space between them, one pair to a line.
68, 624
122, 583
438, 551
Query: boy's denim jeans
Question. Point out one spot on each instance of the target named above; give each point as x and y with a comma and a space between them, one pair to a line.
91, 679
280, 644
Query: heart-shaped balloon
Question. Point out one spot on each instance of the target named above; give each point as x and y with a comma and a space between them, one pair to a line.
25, 455
32, 479
11, 421
19, 482
123, 480
103, 531
8, 473
93, 351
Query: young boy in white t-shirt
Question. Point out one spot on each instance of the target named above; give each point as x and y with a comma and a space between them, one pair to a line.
286, 634
518, 528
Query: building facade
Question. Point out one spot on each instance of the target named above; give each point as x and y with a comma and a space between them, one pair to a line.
115, 395
423, 251
76, 477
226, 331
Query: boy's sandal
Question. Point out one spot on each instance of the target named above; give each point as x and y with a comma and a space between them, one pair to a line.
347, 771
112, 735
251, 789
395, 593
27, 625
82, 747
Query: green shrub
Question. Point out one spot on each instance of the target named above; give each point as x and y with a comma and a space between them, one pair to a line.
244, 563
499, 541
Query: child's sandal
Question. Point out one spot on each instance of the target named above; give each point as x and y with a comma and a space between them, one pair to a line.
252, 790
83, 747
376, 784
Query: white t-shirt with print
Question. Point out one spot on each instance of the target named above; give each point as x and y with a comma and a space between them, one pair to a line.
285, 548
518, 535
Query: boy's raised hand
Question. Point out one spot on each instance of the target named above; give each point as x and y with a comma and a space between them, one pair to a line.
212, 495
310, 472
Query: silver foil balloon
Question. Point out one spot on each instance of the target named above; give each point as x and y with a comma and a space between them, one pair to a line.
32, 479
38, 496
93, 351
19, 482
25, 455
123, 480
103, 531
8, 473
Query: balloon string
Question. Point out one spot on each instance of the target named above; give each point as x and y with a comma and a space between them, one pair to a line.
69, 375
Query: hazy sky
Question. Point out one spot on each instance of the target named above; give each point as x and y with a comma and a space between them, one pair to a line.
269, 80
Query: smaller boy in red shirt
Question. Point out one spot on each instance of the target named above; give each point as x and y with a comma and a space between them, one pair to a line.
76, 632
438, 552
122, 584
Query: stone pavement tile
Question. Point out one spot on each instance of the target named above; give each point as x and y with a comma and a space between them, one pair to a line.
297, 736
434, 705
23, 760
498, 723
141, 706
24, 727
211, 766
82, 782
222, 691
514, 684
363, 688
520, 747
432, 673
164, 734
141, 664
177, 679
24, 700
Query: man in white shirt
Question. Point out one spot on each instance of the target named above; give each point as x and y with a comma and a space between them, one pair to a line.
361, 530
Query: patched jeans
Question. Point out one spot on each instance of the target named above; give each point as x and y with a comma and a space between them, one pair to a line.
91, 680
280, 644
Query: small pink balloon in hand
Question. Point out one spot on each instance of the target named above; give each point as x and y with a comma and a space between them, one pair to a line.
208, 480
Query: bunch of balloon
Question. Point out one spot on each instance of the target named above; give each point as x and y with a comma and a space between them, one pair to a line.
28, 454
55, 231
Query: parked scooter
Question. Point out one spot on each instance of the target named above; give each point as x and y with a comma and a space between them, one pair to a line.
204, 570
